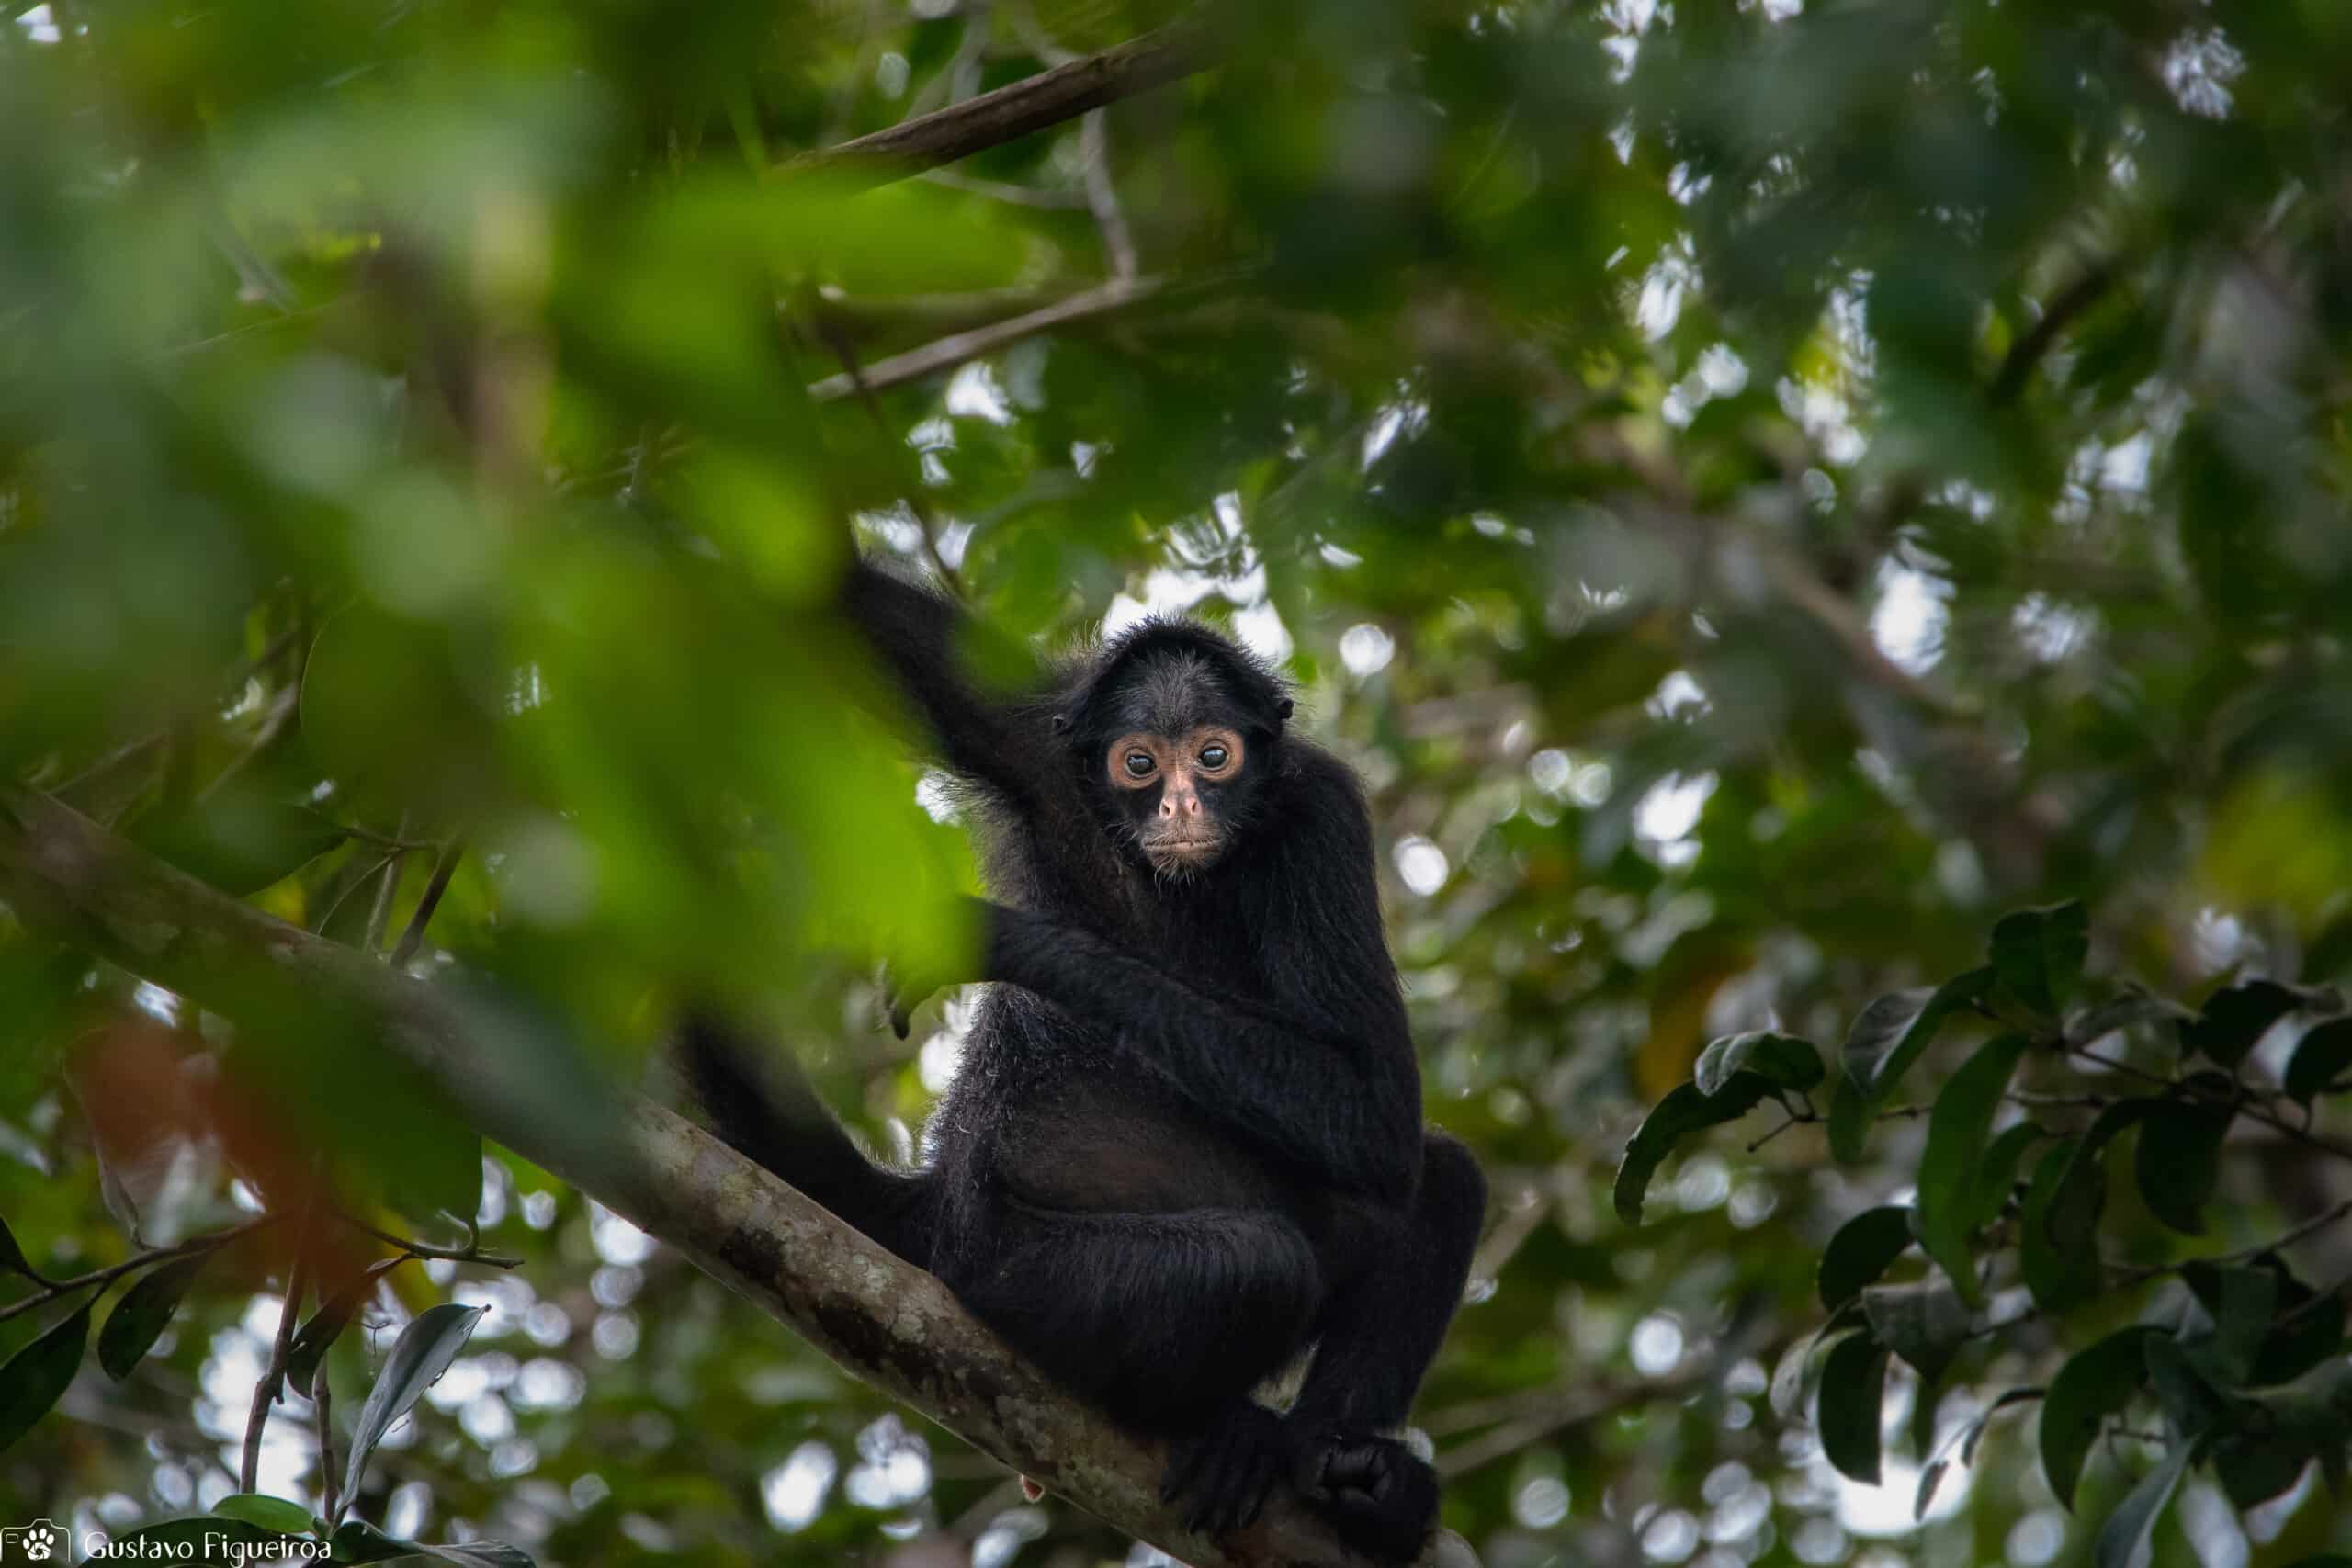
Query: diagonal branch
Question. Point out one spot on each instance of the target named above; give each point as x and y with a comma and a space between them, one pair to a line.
891, 1324
947, 353
1012, 111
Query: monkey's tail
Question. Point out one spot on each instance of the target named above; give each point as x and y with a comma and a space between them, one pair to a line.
760, 1104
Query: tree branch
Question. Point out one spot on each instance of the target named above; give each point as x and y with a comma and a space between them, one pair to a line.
893, 1326
959, 348
1011, 112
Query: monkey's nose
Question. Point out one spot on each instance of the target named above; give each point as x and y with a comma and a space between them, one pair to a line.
1172, 805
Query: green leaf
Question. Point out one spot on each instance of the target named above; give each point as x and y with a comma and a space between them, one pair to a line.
2322, 1058
269, 1513
422, 1354
12, 1256
312, 1340
1997, 1180
2124, 1540
2307, 1329
145, 1312
2058, 1235
2180, 1160
1786, 1060
2038, 955
439, 1178
1864, 1247
1849, 1121
356, 1540
482, 1554
2231, 1321
2236, 1018
1853, 1386
1958, 1128
37, 1376
239, 843
207, 1537
1923, 1323
2093, 1385
2254, 1467
1888, 1034
2191, 1401
1685, 1110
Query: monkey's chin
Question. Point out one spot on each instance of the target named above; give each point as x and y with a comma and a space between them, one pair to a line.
1183, 857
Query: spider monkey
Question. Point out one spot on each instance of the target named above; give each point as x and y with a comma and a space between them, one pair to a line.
1185, 1141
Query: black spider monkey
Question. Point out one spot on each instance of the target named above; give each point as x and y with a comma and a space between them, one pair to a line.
1185, 1142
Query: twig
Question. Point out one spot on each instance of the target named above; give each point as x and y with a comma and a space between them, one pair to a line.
273, 1377
2018, 366
52, 1289
1012, 111
947, 353
470, 1253
1103, 197
442, 870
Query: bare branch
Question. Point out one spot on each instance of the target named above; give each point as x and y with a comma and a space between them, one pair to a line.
891, 1324
947, 353
1012, 111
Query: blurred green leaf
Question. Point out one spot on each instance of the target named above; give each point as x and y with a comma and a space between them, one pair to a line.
269, 1513
1924, 1323
422, 1353
1888, 1034
145, 1312
2058, 1235
2321, 1060
238, 843
37, 1376
2179, 1159
2235, 1019
2122, 1540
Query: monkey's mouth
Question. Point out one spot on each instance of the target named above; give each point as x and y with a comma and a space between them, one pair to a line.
1182, 851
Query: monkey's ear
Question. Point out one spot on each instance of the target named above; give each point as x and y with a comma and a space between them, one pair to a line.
1281, 708
1061, 724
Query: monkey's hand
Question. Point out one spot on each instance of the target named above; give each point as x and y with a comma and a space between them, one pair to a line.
1379, 1496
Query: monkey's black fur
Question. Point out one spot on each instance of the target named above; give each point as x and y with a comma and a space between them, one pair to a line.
1185, 1142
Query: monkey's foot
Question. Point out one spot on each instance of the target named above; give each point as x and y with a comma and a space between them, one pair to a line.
1379, 1496
1223, 1476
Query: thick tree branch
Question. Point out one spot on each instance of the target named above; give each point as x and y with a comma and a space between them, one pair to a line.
1012, 111
890, 1324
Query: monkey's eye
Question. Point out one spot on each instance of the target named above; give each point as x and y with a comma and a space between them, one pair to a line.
1213, 756
1138, 764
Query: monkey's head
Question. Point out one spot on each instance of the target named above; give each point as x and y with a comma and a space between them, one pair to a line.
1178, 732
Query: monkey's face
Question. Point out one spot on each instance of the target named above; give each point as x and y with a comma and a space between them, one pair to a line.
1176, 791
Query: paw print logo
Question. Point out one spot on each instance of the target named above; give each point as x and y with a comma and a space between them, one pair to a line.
43, 1541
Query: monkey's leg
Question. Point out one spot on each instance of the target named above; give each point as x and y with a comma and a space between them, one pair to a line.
1376, 1337
1161, 1319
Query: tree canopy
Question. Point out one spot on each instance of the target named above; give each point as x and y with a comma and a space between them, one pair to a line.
1821, 525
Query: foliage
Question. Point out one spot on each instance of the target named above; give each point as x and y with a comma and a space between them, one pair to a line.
1756, 490
2244, 1363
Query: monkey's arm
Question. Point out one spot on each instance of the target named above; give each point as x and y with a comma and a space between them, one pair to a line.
1000, 742
1339, 1095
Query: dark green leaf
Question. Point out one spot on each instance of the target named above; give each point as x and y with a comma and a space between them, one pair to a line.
312, 1340
269, 1513
2058, 1235
1853, 1386
37, 1376
2254, 1467
2222, 1339
240, 844
208, 1537
2322, 1058
438, 1179
1849, 1121
1683, 1111
356, 1540
1996, 1180
2038, 955
2092, 1385
2132, 1007
1787, 1061
2238, 1017
12, 1256
2309, 1328
1958, 1128
482, 1554
1924, 1323
2190, 1402
422, 1354
1888, 1034
2180, 1160
145, 1312
1864, 1247
2124, 1540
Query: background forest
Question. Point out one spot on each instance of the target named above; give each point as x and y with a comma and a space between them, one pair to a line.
1759, 489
